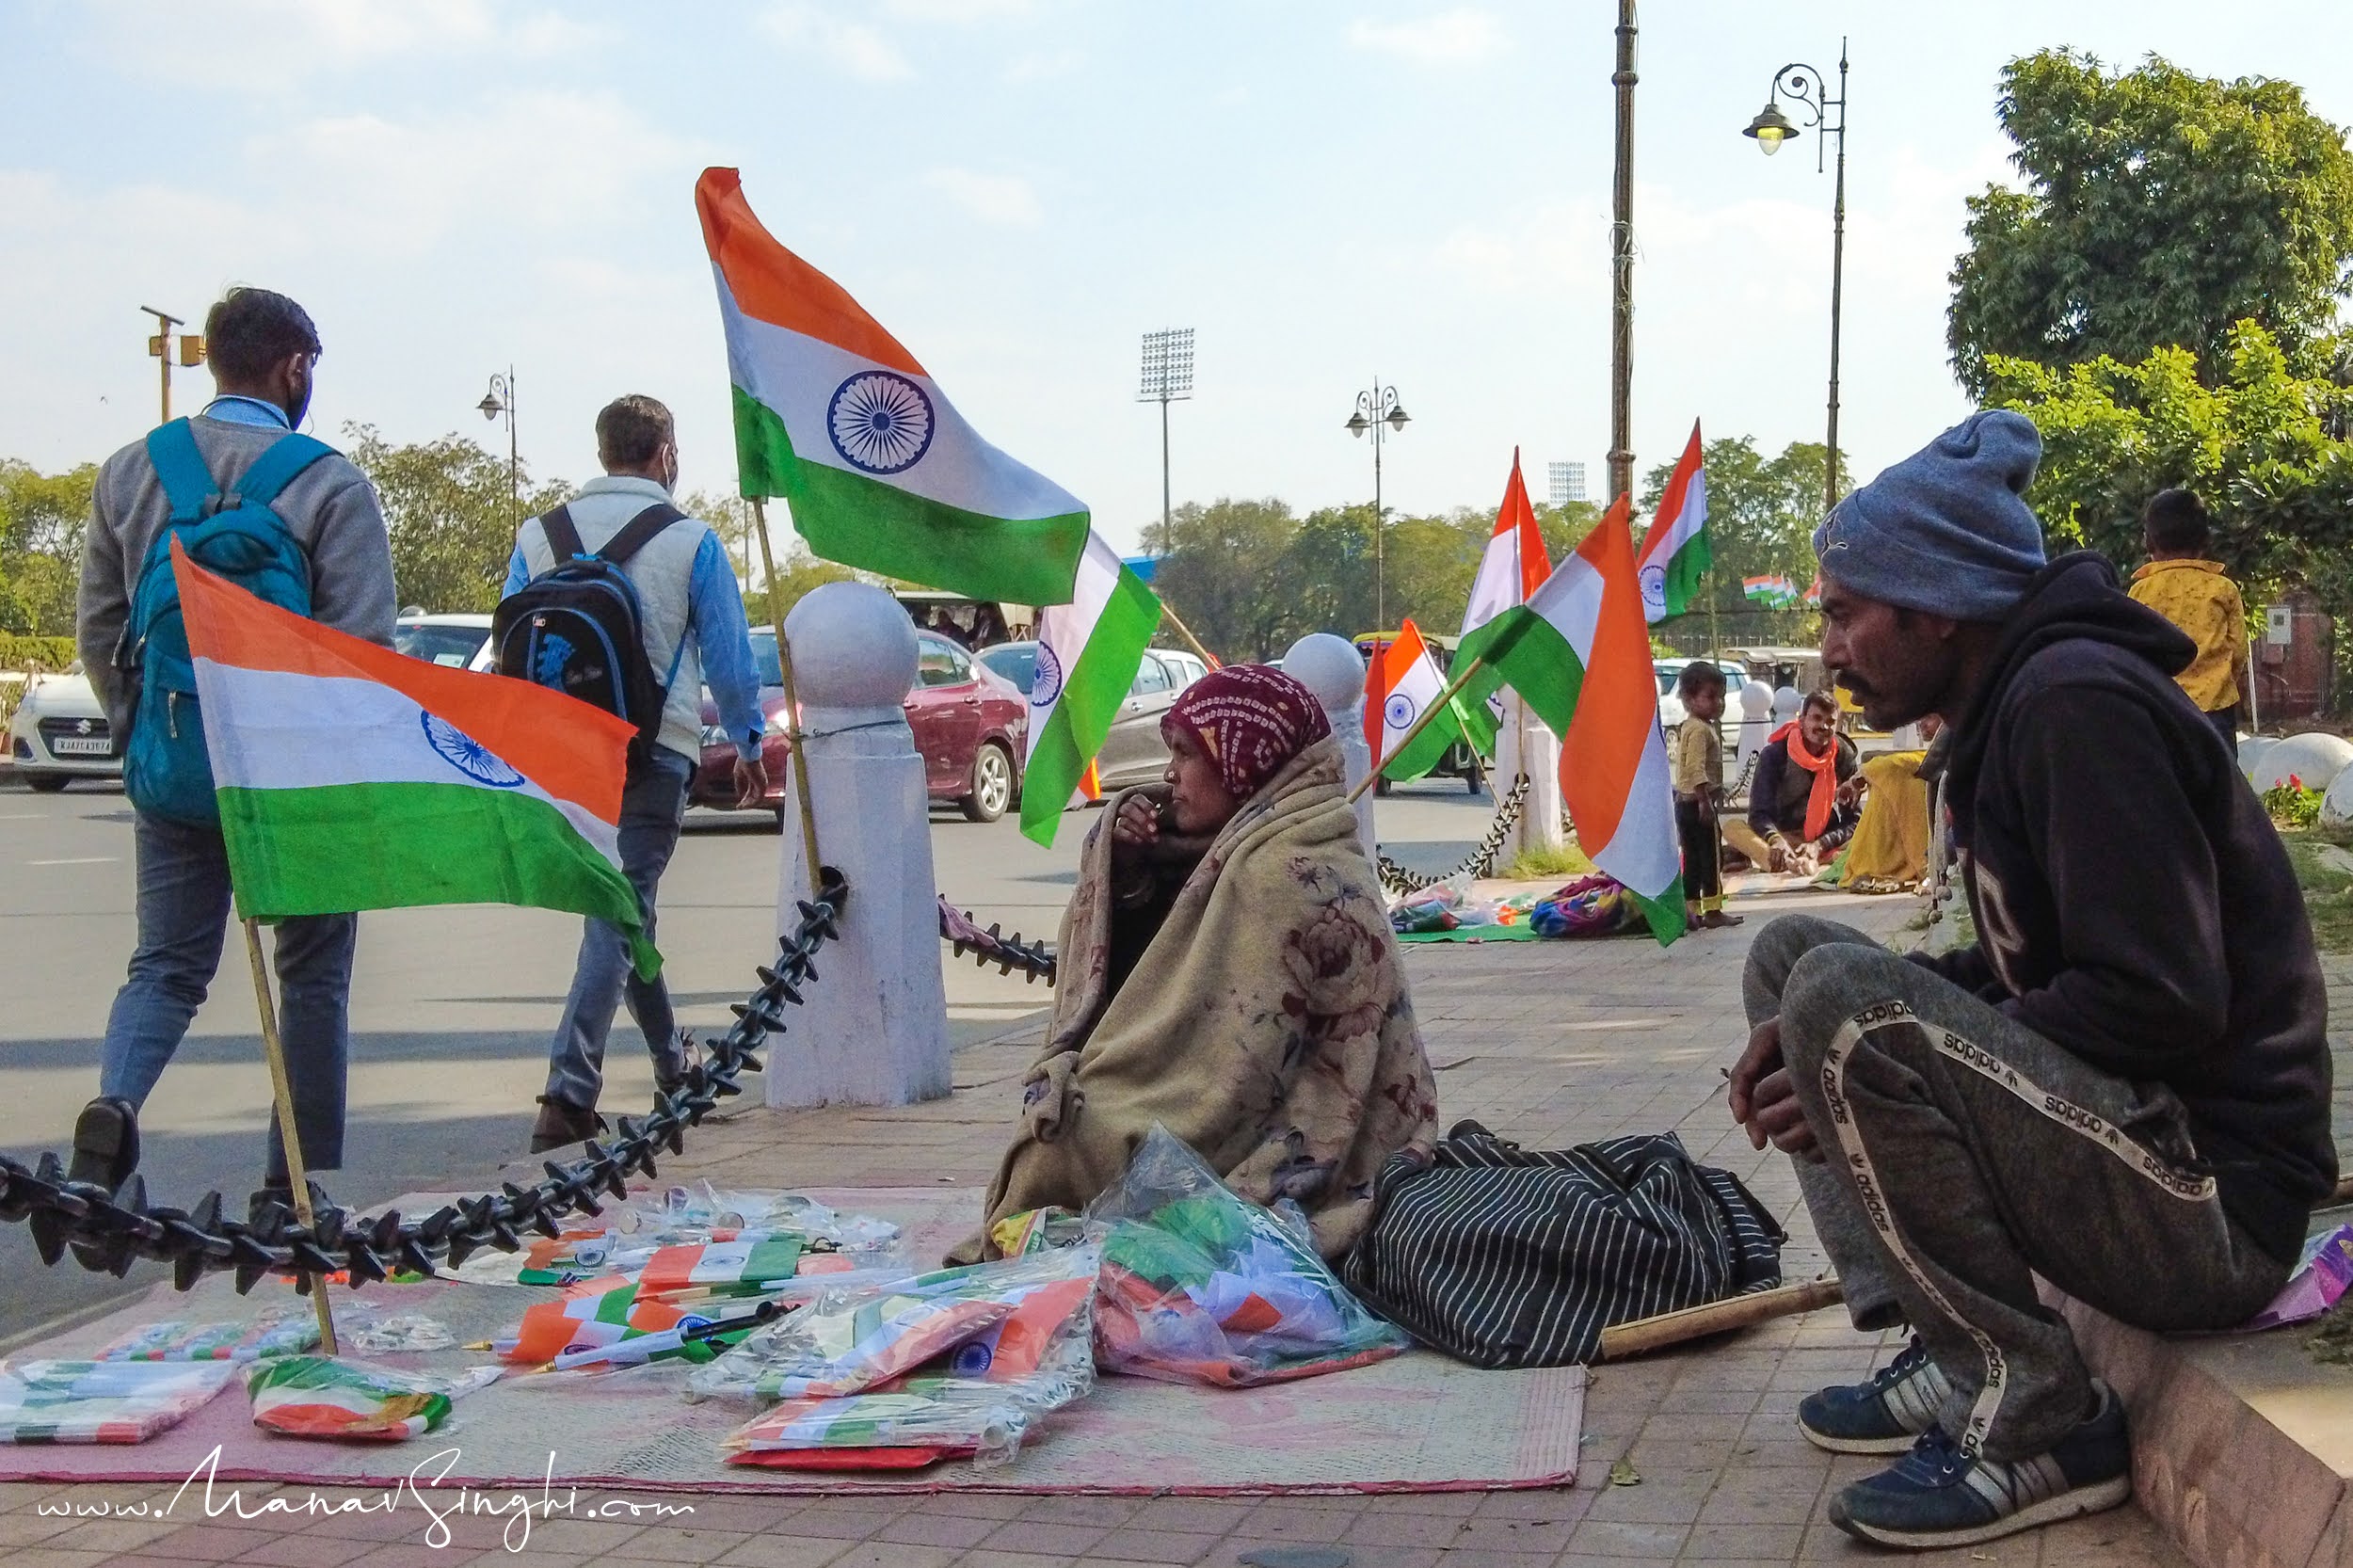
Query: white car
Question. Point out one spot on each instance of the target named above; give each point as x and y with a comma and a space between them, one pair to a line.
1671, 705
459, 641
60, 733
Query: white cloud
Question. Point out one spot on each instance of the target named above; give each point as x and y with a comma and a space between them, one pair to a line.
258, 38
964, 11
852, 47
1004, 200
1044, 67
1454, 37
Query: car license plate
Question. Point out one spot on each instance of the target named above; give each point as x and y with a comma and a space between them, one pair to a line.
83, 746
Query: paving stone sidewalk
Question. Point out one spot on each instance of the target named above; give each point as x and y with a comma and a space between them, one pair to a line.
1547, 1043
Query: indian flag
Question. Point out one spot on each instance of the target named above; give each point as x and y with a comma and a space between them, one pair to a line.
1088, 652
1514, 562
353, 777
1675, 552
1579, 652
1405, 683
750, 1262
602, 1312
834, 415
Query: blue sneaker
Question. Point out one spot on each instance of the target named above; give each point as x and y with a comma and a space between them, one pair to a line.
1885, 1415
1936, 1496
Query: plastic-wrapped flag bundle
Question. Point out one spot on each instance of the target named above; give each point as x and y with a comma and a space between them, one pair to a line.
591, 1315
981, 1397
103, 1401
748, 1265
317, 1395
1202, 1286
280, 1332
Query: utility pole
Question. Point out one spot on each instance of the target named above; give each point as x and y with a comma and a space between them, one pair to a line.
159, 349
1621, 267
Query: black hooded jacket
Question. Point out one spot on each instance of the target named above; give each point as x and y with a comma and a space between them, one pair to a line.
2133, 903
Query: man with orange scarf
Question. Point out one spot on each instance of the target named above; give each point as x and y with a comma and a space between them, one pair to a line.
1803, 802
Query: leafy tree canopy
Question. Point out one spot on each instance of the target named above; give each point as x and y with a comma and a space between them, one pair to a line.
42, 516
2160, 208
450, 515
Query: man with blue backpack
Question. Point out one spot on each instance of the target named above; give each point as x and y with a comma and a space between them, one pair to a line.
620, 600
289, 520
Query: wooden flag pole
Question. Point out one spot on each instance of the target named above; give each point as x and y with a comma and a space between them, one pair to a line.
297, 1175
1694, 1323
1446, 701
791, 697
1186, 632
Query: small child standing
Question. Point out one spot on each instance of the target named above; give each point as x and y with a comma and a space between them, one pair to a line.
2192, 592
1699, 784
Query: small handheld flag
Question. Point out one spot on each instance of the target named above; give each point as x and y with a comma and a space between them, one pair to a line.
1676, 552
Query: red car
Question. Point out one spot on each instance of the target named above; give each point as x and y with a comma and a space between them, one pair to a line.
971, 728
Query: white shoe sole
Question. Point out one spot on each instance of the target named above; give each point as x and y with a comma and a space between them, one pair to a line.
2050, 1511
1828, 1444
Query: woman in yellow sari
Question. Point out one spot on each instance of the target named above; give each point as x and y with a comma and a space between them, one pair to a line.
1889, 852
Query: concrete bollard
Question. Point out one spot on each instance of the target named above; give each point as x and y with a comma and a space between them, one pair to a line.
1523, 745
873, 1030
1333, 672
1757, 724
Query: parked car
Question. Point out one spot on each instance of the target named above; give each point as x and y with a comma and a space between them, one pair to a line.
60, 733
1671, 705
971, 728
1133, 752
459, 641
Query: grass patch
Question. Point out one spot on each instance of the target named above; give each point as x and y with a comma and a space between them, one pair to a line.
2323, 871
1530, 865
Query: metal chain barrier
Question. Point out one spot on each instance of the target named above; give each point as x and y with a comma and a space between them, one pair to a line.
964, 934
1480, 862
108, 1232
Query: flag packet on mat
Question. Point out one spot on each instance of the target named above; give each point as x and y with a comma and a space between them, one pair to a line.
1199, 1285
592, 1315
953, 1415
104, 1401
317, 1395
744, 1265
846, 1342
2321, 1279
275, 1333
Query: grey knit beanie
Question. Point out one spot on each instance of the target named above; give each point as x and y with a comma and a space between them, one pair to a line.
1946, 531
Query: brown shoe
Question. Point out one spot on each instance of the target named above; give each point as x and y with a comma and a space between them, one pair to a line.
561, 1122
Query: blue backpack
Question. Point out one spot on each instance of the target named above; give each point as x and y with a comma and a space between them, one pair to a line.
236, 534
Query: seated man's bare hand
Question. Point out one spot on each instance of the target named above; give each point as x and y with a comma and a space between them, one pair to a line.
1763, 1099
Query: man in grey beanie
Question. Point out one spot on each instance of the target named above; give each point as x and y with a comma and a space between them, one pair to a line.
2123, 1086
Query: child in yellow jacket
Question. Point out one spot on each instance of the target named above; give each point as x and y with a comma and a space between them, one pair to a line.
2192, 592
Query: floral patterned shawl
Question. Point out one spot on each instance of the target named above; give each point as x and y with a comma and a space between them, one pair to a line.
1267, 1026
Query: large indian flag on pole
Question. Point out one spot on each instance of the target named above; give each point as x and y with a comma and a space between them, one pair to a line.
1514, 562
1406, 681
350, 776
1088, 652
1579, 651
1675, 552
833, 414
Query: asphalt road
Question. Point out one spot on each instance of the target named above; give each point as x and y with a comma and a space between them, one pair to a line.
451, 1008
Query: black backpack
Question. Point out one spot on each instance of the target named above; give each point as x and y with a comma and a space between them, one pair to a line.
578, 627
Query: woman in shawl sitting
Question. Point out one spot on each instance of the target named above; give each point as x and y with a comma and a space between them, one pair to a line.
1228, 972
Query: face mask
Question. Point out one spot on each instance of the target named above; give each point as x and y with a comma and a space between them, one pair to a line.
300, 395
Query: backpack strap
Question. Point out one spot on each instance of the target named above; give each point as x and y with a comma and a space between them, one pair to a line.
563, 535
276, 468
639, 532
188, 482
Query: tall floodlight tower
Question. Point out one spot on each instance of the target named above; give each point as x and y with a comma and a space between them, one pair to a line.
1167, 378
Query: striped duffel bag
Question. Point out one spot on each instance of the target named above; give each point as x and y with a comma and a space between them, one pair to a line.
1512, 1257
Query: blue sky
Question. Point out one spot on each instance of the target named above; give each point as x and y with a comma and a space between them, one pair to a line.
1019, 189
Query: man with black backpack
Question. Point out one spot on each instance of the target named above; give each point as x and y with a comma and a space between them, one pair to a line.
622, 601
287, 518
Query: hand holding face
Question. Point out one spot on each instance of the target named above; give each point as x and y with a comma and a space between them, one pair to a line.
1138, 822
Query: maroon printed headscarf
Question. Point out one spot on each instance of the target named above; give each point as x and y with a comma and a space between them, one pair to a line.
1250, 721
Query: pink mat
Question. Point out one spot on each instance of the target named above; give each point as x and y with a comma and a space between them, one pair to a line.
1420, 1423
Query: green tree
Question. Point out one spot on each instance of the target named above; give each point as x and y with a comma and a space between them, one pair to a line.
450, 514
2160, 209
1224, 569
42, 516
1761, 517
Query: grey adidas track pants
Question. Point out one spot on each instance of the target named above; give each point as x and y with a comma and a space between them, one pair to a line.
1965, 1154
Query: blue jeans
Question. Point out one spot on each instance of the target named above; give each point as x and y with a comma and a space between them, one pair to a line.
653, 806
183, 915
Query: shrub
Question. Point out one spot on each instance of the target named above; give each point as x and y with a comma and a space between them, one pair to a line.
29, 653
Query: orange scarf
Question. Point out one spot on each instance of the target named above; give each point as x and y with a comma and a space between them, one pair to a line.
1823, 799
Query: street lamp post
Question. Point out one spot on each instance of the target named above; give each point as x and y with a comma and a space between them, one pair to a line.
1376, 409
1771, 128
499, 400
